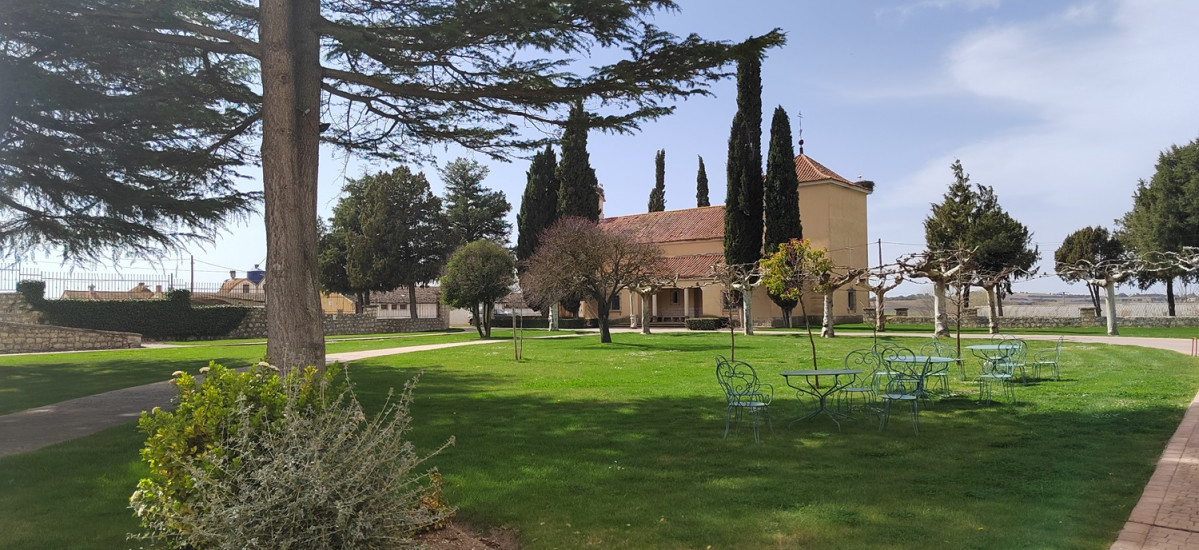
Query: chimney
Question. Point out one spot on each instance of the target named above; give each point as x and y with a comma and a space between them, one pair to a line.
232, 274
158, 289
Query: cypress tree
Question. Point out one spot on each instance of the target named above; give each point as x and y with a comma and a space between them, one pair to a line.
657, 197
701, 185
781, 190
743, 205
579, 191
539, 204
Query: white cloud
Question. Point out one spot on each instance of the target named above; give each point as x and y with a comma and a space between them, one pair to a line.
900, 13
1109, 86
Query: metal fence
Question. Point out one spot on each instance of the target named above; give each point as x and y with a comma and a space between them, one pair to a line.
58, 283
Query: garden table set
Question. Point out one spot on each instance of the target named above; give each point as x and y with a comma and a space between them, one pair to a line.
886, 374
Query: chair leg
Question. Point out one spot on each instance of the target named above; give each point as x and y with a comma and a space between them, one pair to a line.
916, 415
728, 418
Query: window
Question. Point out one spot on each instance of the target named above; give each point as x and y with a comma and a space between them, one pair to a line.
853, 299
674, 297
245, 288
614, 303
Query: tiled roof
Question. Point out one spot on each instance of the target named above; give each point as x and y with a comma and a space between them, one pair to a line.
693, 266
424, 295
691, 224
808, 170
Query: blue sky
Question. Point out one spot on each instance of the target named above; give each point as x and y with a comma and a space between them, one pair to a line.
1061, 106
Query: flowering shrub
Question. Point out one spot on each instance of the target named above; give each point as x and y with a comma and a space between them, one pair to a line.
254, 460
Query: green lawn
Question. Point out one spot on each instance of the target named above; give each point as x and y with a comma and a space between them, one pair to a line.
1144, 332
619, 446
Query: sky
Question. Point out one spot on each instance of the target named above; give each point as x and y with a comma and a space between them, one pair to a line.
1060, 106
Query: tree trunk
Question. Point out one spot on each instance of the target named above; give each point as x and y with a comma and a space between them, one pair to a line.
291, 88
602, 311
826, 327
999, 303
880, 319
993, 306
478, 319
488, 309
1093, 288
412, 301
940, 320
1170, 296
1110, 286
747, 308
554, 317
787, 319
645, 299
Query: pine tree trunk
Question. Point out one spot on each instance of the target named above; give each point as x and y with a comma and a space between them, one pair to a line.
1094, 290
826, 327
291, 85
488, 309
412, 301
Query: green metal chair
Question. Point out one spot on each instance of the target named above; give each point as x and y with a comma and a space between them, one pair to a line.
998, 371
905, 386
939, 372
882, 372
1016, 358
1047, 358
862, 385
744, 393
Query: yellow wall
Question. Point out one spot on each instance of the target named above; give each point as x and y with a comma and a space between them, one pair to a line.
336, 303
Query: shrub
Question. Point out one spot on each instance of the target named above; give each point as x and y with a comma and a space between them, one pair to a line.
170, 318
706, 323
34, 292
252, 460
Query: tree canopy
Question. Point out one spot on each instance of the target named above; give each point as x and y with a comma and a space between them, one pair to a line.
1083, 250
1165, 215
539, 204
701, 185
393, 231
472, 211
579, 192
657, 196
780, 193
478, 274
379, 78
743, 204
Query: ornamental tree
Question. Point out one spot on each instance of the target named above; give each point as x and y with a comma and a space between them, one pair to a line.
160, 103
472, 211
657, 196
477, 275
794, 268
577, 257
1095, 245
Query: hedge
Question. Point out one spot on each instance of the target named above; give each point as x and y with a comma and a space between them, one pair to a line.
505, 321
173, 317
706, 323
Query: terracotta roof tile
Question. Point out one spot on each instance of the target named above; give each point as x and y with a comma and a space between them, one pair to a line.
424, 295
808, 170
693, 266
691, 224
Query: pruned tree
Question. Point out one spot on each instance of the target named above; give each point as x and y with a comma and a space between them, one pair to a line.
881, 280
577, 257
701, 186
943, 269
1095, 245
735, 279
1107, 274
828, 283
476, 276
649, 285
657, 196
472, 211
194, 82
1002, 250
797, 267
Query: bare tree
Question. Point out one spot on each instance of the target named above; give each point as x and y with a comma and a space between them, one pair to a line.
577, 257
881, 280
943, 269
645, 289
735, 278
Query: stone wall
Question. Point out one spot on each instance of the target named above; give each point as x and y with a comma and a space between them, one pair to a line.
24, 338
254, 324
13, 309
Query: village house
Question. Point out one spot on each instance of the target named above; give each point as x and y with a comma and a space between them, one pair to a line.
833, 214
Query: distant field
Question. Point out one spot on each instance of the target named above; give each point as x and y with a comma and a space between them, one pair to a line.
1051, 305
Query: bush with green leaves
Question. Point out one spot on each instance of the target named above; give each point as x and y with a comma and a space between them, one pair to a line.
706, 323
255, 460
